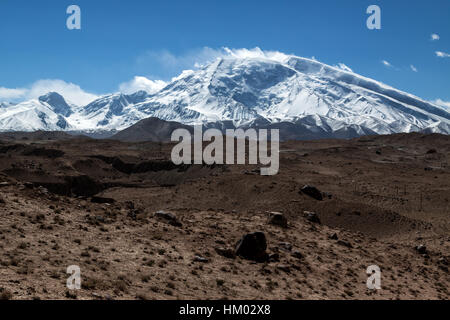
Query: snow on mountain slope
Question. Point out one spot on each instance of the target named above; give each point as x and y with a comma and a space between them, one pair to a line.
5, 105
111, 112
247, 90
41, 114
287, 89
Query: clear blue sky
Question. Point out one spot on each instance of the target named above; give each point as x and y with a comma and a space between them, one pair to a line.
122, 39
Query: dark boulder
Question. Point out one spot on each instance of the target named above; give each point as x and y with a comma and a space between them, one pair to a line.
168, 217
278, 219
421, 249
97, 199
312, 191
344, 243
312, 217
252, 246
334, 236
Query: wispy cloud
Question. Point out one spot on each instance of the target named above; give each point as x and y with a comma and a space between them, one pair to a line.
413, 68
72, 92
441, 54
386, 63
435, 37
165, 64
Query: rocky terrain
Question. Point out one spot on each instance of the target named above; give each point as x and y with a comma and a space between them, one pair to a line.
141, 228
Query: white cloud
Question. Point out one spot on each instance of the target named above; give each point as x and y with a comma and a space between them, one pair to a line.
174, 64
441, 54
71, 92
255, 53
435, 37
9, 94
442, 103
386, 63
141, 83
413, 68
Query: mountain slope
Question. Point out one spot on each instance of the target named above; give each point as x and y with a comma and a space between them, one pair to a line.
287, 91
46, 113
150, 129
244, 90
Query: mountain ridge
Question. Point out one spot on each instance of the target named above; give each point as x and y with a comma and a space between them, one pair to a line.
283, 91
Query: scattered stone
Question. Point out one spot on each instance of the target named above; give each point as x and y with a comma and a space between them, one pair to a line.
102, 200
274, 257
4, 184
327, 195
42, 190
431, 151
100, 219
132, 214
334, 236
71, 294
422, 249
252, 246
226, 252
278, 219
345, 243
5, 294
28, 185
256, 171
443, 261
297, 254
200, 259
286, 246
312, 217
169, 217
313, 192
284, 268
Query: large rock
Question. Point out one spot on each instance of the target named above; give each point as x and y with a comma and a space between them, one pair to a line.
252, 246
102, 200
312, 191
422, 249
312, 217
278, 219
168, 217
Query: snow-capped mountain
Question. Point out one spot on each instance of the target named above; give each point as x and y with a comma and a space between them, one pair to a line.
46, 113
259, 90
287, 90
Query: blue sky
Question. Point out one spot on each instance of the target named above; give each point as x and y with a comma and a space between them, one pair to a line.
158, 39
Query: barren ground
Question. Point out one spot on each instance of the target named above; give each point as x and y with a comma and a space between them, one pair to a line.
388, 194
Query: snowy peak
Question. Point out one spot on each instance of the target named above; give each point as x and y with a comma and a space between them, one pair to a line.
57, 103
32, 115
286, 89
255, 89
